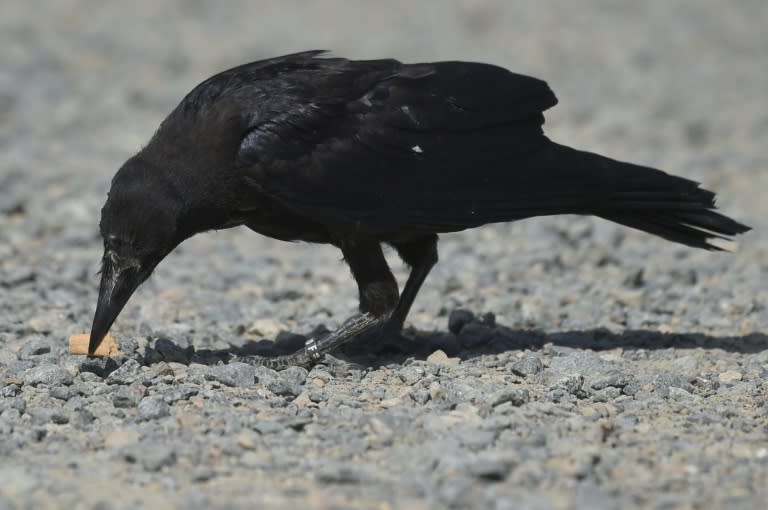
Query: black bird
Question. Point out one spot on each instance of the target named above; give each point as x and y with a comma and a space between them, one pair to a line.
363, 153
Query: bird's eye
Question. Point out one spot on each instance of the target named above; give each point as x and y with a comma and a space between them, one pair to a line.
116, 243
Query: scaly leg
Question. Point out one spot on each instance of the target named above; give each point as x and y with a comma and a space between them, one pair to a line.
378, 296
421, 255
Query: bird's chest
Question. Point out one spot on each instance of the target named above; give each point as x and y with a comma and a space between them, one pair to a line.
286, 226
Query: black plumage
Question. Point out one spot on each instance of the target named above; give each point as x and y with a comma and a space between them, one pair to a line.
360, 153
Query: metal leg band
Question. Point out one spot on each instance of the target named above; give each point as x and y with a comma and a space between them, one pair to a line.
310, 346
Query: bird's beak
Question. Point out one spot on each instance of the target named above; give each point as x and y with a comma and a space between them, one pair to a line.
119, 279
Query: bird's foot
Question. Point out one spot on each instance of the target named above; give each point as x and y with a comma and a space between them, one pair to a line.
315, 349
351, 327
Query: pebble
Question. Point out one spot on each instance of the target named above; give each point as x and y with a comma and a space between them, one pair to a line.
440, 358
48, 374
337, 473
234, 374
268, 427
128, 373
527, 366
489, 469
266, 327
129, 396
61, 392
729, 376
436, 391
516, 397
275, 382
458, 319
153, 407
155, 456
476, 439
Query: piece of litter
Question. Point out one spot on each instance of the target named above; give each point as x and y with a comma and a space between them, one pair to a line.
78, 344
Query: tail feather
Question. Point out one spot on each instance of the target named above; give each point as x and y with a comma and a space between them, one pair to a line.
677, 209
692, 230
644, 198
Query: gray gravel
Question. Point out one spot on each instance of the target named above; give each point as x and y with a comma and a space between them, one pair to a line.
567, 362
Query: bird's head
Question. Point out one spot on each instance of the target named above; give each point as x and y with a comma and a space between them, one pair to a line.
139, 226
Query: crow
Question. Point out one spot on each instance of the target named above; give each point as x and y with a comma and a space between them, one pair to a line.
358, 154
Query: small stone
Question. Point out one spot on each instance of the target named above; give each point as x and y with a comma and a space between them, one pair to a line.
247, 440
234, 374
680, 394
337, 472
488, 469
315, 395
266, 328
203, 474
48, 374
161, 369
606, 394
268, 427
10, 390
157, 456
477, 439
420, 396
128, 373
571, 384
436, 391
527, 366
729, 376
612, 378
60, 392
153, 407
516, 397
390, 402
129, 396
18, 403
272, 381
43, 415
184, 392
410, 375
458, 319
319, 372
441, 358
36, 347
302, 400
294, 375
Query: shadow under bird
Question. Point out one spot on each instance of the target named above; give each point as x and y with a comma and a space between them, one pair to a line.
363, 153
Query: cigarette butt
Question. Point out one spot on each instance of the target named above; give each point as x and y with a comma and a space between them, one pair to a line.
78, 344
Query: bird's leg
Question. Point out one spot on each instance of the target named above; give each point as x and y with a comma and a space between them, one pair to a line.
377, 285
379, 303
378, 297
378, 294
421, 255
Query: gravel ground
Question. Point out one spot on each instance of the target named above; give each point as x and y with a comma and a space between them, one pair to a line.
571, 362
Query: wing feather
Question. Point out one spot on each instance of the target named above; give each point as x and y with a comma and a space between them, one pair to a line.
383, 146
